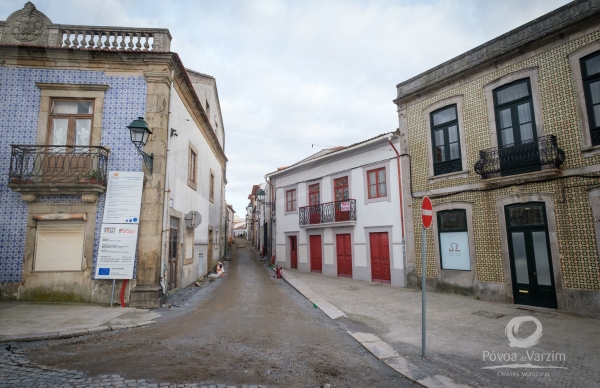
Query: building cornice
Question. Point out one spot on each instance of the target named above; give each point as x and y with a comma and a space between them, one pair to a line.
73, 87
551, 26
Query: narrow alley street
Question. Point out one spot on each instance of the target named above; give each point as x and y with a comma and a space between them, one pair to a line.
245, 328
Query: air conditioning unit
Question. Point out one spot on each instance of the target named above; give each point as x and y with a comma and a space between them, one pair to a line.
193, 219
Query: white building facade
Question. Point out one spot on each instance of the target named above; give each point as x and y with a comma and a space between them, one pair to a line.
339, 213
195, 182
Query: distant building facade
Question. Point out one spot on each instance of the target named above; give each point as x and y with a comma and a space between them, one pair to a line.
338, 212
68, 93
505, 140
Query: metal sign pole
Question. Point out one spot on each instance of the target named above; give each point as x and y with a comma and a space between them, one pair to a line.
423, 290
112, 296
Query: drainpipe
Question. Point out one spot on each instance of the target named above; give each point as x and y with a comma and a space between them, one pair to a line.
271, 219
401, 205
167, 197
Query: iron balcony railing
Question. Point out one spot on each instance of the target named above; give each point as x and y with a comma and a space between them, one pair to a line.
58, 164
518, 158
338, 211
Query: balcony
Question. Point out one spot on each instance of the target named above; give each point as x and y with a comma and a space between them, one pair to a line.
46, 170
338, 213
538, 159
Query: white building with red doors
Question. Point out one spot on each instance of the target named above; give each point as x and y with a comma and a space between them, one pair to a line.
338, 212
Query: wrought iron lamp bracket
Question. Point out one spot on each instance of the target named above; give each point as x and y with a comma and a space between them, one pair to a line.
148, 159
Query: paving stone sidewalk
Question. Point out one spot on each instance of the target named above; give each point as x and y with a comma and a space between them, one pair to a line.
466, 338
27, 321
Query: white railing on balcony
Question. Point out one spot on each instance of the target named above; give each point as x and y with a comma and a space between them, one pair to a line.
111, 38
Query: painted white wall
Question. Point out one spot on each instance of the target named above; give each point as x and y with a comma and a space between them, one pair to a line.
186, 199
206, 90
384, 214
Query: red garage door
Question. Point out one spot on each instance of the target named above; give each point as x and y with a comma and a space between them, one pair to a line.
380, 258
344, 255
316, 257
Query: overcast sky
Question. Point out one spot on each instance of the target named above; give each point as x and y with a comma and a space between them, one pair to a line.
318, 72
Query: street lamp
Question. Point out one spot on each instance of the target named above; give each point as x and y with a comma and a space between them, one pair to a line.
261, 198
139, 132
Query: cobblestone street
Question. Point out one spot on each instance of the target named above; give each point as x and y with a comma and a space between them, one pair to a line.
243, 330
17, 371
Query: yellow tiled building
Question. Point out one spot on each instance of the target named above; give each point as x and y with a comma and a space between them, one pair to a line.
504, 141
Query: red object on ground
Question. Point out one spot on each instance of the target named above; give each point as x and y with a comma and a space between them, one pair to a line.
278, 272
426, 212
123, 293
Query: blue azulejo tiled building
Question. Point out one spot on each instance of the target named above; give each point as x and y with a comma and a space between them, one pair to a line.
124, 98
67, 95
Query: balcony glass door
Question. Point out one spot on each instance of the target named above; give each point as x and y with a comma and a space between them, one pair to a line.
314, 197
70, 132
530, 260
518, 149
342, 194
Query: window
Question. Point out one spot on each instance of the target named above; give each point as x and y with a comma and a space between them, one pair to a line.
341, 188
314, 194
446, 141
590, 73
70, 122
290, 200
212, 187
454, 240
192, 166
59, 245
189, 244
376, 183
515, 120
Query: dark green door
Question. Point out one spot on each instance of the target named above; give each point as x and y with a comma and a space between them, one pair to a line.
530, 259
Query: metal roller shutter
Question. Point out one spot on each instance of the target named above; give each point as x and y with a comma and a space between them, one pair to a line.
59, 245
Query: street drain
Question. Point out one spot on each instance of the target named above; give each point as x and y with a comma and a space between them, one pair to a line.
488, 314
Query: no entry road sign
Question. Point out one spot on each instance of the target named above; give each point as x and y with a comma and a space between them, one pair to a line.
426, 212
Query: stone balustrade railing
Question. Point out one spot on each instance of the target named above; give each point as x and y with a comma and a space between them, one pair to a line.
109, 38
30, 27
